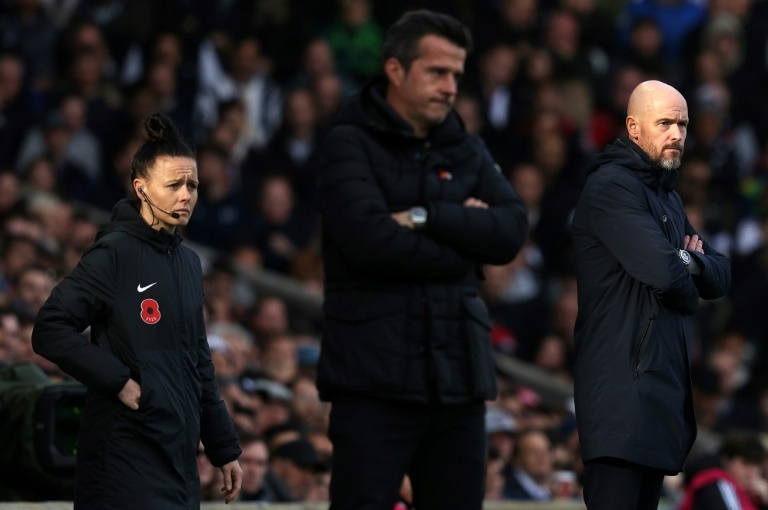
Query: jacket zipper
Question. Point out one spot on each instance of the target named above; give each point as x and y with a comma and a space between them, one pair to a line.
171, 259
673, 234
640, 347
425, 150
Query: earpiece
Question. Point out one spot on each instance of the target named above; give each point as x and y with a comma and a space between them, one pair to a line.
174, 215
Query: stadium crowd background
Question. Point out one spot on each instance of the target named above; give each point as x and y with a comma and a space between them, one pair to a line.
256, 84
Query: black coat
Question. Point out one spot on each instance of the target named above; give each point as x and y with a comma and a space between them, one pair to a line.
636, 298
141, 293
401, 307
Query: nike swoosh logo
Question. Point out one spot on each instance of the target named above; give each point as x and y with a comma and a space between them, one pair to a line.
142, 289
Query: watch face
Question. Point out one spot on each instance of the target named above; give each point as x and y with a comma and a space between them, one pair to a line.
685, 256
418, 215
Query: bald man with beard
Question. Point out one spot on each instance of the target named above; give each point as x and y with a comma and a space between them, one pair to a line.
641, 269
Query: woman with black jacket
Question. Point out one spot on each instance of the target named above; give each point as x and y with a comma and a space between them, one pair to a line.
152, 395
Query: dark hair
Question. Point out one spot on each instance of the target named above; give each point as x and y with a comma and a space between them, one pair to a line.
745, 446
163, 139
29, 268
530, 431
402, 38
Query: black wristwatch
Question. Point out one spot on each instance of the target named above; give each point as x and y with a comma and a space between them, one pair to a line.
685, 257
418, 217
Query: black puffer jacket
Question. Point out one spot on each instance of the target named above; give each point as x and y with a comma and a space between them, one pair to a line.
633, 331
401, 308
141, 292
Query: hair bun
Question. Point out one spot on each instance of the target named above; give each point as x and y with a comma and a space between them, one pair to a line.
158, 127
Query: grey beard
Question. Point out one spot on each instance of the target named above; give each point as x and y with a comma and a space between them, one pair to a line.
668, 164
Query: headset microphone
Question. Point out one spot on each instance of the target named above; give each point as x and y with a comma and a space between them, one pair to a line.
152, 204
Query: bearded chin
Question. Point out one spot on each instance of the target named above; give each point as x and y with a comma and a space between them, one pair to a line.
668, 163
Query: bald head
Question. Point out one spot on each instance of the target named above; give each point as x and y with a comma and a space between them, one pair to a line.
651, 95
657, 121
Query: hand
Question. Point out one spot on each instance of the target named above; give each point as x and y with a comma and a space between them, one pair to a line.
693, 244
403, 218
757, 487
233, 479
130, 394
280, 244
475, 202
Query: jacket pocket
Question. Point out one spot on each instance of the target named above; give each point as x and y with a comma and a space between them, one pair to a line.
477, 330
641, 350
161, 413
364, 342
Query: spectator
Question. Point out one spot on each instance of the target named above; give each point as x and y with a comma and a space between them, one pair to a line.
676, 19
15, 109
318, 63
103, 98
731, 479
279, 357
596, 28
123, 23
11, 347
532, 467
257, 485
500, 429
19, 252
221, 356
31, 287
355, 38
499, 98
269, 317
469, 109
562, 37
607, 122
515, 22
292, 149
555, 355
275, 397
246, 79
28, 31
165, 93
10, 198
26, 354
328, 93
116, 176
282, 226
494, 476
56, 141
82, 149
219, 220
241, 345
296, 465
306, 405
645, 51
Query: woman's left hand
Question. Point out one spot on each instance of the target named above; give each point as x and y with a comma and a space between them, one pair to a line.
233, 479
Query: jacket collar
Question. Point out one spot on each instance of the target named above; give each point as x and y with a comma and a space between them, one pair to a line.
126, 218
370, 110
628, 154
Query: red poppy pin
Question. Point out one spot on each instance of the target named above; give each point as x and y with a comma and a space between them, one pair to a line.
150, 311
445, 175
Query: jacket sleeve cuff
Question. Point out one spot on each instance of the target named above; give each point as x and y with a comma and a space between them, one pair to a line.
697, 264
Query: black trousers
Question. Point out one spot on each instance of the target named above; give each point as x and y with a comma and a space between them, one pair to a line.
614, 484
376, 442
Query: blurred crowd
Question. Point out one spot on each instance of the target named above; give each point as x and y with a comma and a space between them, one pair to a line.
255, 84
